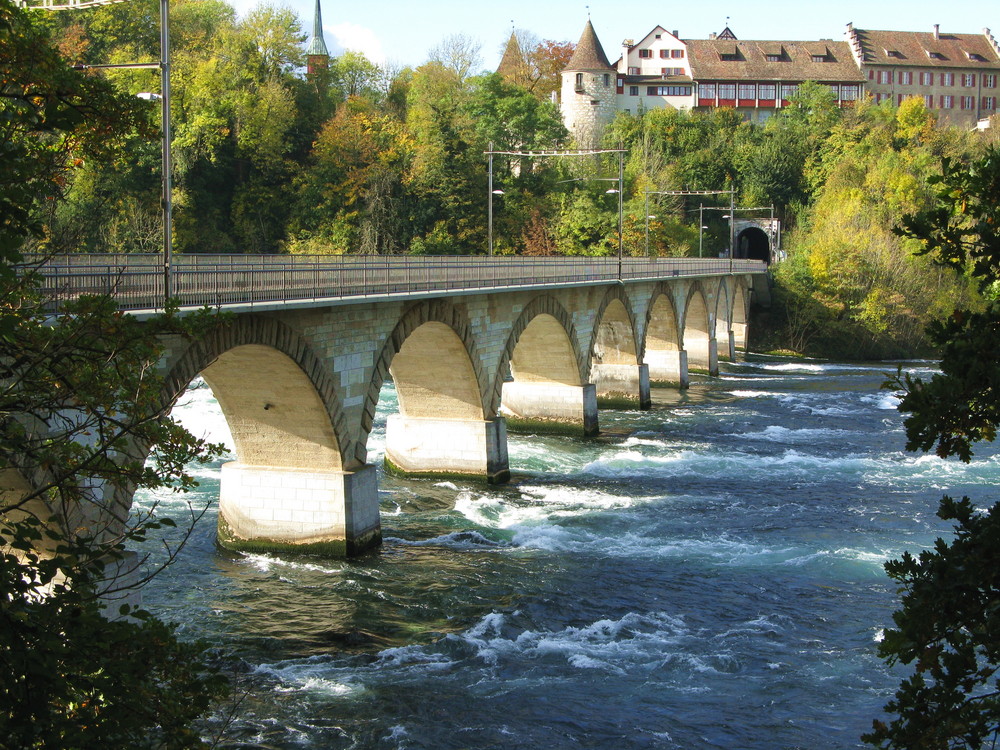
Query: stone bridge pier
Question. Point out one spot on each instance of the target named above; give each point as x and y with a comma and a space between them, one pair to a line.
299, 386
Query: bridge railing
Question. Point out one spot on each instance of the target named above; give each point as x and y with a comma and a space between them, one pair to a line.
136, 280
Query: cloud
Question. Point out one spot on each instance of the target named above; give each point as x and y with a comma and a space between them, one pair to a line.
351, 36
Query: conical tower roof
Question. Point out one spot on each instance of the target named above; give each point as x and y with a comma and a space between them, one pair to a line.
512, 61
317, 46
589, 55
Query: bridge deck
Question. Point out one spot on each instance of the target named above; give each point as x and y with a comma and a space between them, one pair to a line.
263, 281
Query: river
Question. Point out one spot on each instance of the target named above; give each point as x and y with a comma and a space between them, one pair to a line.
706, 574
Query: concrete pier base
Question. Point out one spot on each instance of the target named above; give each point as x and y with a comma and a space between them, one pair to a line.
269, 508
668, 367
446, 447
705, 358
622, 385
551, 407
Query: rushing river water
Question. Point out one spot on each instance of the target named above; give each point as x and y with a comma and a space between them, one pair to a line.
707, 574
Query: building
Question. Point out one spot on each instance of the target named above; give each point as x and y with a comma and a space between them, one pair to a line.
317, 55
589, 101
654, 73
955, 74
758, 78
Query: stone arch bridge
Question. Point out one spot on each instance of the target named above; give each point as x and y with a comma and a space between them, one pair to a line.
298, 366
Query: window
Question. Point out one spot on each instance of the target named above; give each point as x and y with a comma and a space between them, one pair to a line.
668, 91
885, 76
677, 54
989, 81
926, 78
968, 79
664, 53
773, 58
633, 91
706, 90
850, 92
947, 79
947, 102
766, 90
819, 58
871, 75
967, 102
836, 90
579, 81
633, 71
882, 98
728, 57
788, 90
607, 79
645, 53
989, 102
748, 91
929, 101
727, 90
906, 77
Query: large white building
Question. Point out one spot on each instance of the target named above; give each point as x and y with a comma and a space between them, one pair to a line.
956, 74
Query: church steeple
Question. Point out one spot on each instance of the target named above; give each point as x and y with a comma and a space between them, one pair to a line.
317, 55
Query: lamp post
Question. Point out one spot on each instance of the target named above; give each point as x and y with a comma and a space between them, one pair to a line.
489, 196
163, 66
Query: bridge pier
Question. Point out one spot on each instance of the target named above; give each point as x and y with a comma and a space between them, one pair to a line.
668, 366
268, 508
552, 407
624, 385
417, 446
704, 356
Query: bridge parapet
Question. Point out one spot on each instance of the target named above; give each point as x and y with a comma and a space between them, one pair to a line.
264, 282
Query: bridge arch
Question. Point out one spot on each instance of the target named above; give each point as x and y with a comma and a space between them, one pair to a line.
541, 348
277, 395
430, 381
444, 423
548, 371
699, 330
662, 347
738, 319
613, 341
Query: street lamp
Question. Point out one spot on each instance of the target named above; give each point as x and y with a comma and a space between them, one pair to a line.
164, 96
701, 229
648, 217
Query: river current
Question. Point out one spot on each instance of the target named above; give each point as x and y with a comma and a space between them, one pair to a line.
706, 574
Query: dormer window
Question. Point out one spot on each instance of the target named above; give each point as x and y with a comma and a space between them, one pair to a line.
935, 55
894, 53
975, 57
774, 53
820, 58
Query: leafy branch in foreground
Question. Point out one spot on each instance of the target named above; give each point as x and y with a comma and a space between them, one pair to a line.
948, 626
84, 422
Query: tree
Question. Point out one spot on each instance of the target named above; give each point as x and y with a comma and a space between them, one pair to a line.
948, 623
458, 53
81, 409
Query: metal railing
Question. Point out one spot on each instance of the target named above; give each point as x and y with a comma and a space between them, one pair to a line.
136, 280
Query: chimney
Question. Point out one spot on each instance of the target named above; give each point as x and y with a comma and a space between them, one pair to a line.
674, 32
937, 31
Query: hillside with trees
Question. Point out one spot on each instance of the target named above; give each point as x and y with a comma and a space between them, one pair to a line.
367, 158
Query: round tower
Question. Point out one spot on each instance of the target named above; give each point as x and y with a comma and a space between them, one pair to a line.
588, 91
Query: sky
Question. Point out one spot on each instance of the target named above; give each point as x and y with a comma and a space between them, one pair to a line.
403, 31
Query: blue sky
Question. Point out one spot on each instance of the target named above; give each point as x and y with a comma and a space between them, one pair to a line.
402, 31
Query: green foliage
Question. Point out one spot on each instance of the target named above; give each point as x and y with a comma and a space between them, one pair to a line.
947, 625
81, 411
